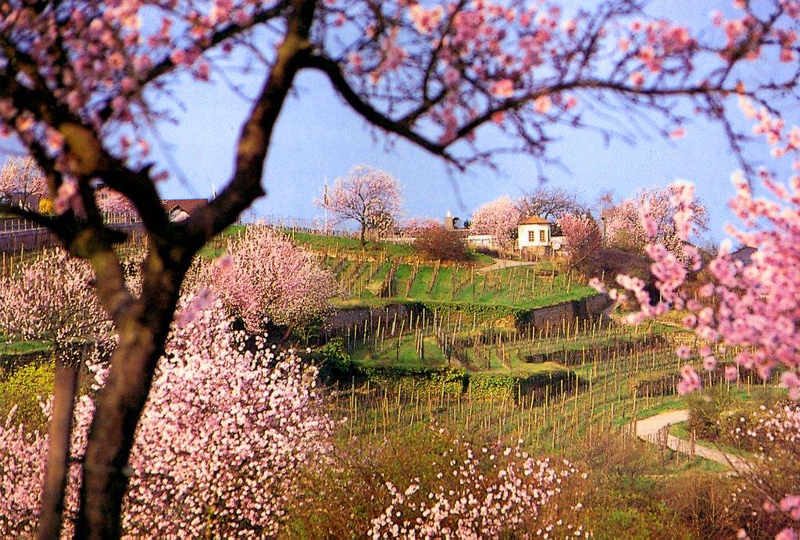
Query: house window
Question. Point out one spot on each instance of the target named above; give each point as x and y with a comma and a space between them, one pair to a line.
531, 236
541, 236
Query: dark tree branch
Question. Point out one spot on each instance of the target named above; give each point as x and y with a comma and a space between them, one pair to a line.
368, 112
245, 185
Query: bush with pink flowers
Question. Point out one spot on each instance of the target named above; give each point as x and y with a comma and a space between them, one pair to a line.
218, 448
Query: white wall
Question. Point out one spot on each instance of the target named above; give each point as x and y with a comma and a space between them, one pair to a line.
523, 236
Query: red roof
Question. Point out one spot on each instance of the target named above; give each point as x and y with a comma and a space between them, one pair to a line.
187, 205
534, 220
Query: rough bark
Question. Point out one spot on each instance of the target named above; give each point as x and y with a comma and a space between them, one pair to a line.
57, 467
143, 324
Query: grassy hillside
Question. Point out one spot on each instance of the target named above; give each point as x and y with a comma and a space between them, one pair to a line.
367, 283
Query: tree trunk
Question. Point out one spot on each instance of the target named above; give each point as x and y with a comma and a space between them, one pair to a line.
142, 336
59, 436
363, 234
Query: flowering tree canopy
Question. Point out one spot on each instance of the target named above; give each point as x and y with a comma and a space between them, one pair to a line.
368, 196
113, 202
499, 218
625, 229
213, 454
37, 306
583, 237
415, 226
265, 278
20, 180
82, 82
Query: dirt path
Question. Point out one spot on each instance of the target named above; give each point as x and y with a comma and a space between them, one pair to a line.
499, 264
650, 429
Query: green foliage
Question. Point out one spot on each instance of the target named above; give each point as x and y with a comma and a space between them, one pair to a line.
333, 359
23, 388
704, 412
319, 242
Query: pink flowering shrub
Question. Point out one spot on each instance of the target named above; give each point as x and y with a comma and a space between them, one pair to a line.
265, 278
34, 305
479, 492
583, 237
772, 475
218, 447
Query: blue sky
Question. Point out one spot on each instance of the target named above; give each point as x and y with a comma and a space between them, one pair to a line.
319, 138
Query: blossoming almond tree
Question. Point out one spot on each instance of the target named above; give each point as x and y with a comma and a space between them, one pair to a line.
368, 196
213, 456
499, 218
625, 228
264, 278
583, 237
21, 179
81, 82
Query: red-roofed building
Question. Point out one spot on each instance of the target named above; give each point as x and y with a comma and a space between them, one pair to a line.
533, 233
181, 209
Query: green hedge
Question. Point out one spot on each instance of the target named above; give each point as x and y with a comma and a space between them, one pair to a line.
336, 366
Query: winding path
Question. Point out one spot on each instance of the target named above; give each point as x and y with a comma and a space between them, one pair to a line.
499, 264
655, 427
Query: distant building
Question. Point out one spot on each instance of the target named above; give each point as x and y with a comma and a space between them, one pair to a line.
20, 199
181, 209
533, 233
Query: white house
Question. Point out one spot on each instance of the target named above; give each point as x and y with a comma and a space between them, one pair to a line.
533, 232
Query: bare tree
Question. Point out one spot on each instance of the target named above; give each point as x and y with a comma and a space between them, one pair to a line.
550, 203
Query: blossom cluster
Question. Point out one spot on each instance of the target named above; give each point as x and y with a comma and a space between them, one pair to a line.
217, 450
264, 278
479, 492
498, 218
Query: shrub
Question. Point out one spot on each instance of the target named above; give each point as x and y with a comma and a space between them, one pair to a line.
218, 447
425, 483
436, 242
24, 388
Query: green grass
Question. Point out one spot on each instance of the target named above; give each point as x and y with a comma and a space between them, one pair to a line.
216, 247
681, 430
510, 287
25, 347
319, 242
407, 357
